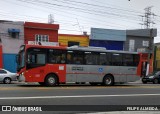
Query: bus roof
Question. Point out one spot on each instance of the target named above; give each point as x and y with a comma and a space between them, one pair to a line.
79, 48
97, 49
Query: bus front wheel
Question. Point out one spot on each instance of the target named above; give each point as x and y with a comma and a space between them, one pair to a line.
108, 80
51, 80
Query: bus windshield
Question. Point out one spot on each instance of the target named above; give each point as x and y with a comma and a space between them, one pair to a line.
20, 60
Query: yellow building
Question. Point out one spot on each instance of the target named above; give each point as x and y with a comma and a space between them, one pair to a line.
157, 57
70, 40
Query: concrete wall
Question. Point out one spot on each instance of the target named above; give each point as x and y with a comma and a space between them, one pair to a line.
108, 34
9, 62
138, 43
10, 45
108, 38
109, 45
141, 32
1, 56
138, 40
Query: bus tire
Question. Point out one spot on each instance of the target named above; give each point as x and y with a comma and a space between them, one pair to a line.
108, 80
51, 80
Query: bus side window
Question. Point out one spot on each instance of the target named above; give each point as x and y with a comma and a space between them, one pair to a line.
117, 59
78, 57
52, 59
136, 60
69, 60
92, 58
128, 59
88, 59
103, 59
57, 56
63, 58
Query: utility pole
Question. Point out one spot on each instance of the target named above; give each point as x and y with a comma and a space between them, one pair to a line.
50, 19
147, 18
150, 50
147, 21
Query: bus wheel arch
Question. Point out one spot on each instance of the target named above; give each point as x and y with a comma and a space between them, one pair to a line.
108, 80
51, 79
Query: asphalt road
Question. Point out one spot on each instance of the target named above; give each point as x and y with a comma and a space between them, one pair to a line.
118, 95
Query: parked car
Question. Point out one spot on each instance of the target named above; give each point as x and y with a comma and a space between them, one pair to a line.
155, 78
6, 76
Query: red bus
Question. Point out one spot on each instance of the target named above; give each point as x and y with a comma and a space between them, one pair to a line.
51, 65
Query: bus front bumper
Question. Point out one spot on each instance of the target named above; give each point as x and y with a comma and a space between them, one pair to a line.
21, 78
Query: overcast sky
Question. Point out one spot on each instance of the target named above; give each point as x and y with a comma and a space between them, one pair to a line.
76, 16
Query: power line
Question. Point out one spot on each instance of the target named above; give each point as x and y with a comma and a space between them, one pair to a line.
61, 11
96, 21
101, 21
93, 12
95, 5
114, 23
120, 7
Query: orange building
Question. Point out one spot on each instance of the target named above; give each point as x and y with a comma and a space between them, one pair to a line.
70, 40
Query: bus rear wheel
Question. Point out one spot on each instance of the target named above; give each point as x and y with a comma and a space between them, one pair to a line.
51, 80
108, 80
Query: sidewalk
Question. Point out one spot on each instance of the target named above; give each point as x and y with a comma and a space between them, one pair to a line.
136, 82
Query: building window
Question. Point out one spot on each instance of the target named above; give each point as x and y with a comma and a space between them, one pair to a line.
145, 43
131, 45
41, 38
14, 33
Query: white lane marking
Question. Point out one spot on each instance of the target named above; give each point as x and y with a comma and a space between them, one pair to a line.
78, 96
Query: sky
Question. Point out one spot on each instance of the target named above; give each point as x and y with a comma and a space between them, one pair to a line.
76, 16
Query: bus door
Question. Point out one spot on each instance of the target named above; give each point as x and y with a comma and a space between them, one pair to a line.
36, 60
